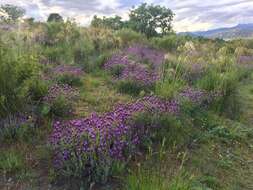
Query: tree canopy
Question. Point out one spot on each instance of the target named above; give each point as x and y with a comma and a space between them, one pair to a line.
151, 19
114, 23
55, 17
13, 12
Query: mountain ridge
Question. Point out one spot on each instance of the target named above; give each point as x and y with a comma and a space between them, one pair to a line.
227, 33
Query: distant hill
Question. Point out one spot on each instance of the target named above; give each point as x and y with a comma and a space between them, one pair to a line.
239, 31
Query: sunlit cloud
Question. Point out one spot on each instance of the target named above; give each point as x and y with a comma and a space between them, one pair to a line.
191, 15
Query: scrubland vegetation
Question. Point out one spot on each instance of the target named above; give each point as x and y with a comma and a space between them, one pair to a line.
122, 108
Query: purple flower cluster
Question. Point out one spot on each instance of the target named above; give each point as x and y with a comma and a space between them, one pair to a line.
60, 90
140, 73
194, 95
133, 68
109, 135
198, 96
245, 59
14, 120
68, 69
146, 53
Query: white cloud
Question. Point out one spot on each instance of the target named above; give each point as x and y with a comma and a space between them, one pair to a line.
191, 15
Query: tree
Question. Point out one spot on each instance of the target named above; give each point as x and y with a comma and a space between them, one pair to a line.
14, 12
114, 23
97, 22
55, 17
151, 20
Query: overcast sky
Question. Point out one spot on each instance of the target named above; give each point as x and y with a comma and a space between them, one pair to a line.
191, 15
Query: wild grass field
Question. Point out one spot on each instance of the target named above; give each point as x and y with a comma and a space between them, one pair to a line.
114, 109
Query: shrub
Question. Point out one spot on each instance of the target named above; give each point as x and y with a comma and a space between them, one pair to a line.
13, 132
129, 37
168, 89
61, 107
11, 161
103, 39
37, 89
132, 87
162, 127
102, 59
15, 70
69, 79
117, 70
168, 42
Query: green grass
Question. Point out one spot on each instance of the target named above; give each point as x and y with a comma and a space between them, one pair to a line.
219, 154
11, 161
98, 94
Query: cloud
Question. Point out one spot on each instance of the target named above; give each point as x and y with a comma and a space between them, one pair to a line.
191, 15
194, 15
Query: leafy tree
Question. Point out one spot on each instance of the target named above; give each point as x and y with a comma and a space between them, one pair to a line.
14, 12
151, 20
97, 22
55, 17
114, 23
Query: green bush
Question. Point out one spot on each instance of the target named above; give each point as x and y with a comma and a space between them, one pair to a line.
61, 107
132, 87
11, 161
129, 37
102, 58
15, 132
69, 79
37, 89
117, 70
169, 42
15, 70
165, 128
168, 89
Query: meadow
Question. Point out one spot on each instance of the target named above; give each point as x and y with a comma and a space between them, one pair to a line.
97, 108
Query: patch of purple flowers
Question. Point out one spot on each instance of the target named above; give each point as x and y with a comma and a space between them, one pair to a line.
57, 90
194, 95
68, 69
198, 96
245, 59
133, 68
109, 135
145, 53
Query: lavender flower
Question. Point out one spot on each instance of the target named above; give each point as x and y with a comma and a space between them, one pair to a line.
108, 135
60, 90
132, 66
68, 69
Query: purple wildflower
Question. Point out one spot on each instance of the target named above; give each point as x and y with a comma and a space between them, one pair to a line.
60, 90
132, 67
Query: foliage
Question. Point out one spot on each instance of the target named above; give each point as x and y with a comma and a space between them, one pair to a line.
55, 17
168, 88
17, 130
15, 71
95, 148
130, 37
114, 23
72, 83
132, 88
168, 42
11, 161
60, 107
14, 12
68, 79
37, 89
147, 19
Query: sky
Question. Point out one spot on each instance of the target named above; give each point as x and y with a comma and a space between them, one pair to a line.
191, 15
